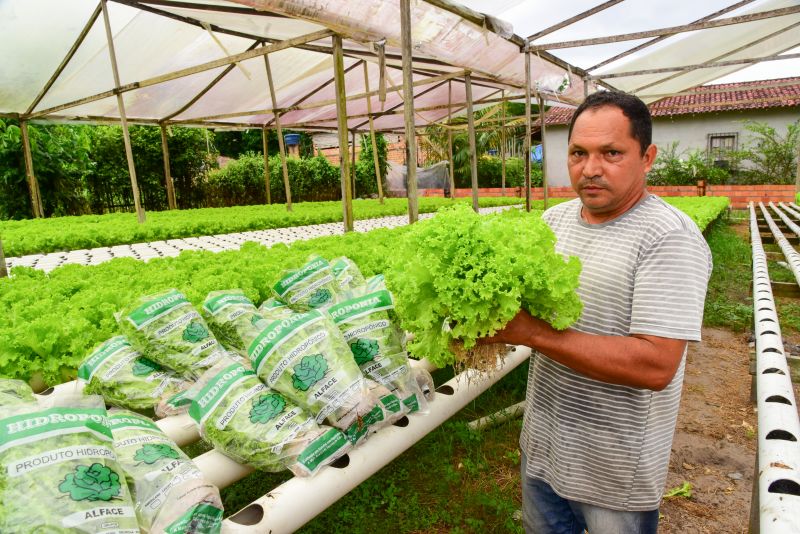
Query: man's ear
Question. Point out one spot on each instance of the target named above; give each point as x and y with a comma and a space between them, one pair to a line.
649, 157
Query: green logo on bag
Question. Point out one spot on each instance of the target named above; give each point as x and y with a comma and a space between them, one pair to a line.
309, 371
151, 453
320, 297
144, 366
94, 482
364, 350
195, 332
267, 407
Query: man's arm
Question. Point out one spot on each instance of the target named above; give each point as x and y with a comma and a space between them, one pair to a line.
640, 361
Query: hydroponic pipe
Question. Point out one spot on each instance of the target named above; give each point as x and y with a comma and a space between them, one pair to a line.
295, 502
778, 476
789, 252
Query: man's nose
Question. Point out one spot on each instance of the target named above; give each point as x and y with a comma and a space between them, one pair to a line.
593, 165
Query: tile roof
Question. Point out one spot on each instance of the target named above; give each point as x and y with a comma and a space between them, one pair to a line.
783, 92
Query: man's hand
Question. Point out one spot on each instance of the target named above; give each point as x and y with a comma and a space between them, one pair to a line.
636, 360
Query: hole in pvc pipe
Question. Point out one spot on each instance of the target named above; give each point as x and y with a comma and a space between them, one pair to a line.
765, 309
766, 319
782, 435
765, 332
765, 298
341, 462
789, 487
48, 391
772, 349
402, 423
773, 370
779, 398
249, 515
445, 390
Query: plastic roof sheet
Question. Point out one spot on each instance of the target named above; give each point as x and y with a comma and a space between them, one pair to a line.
158, 37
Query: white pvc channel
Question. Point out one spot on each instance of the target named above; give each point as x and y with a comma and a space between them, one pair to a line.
791, 255
778, 425
295, 502
298, 500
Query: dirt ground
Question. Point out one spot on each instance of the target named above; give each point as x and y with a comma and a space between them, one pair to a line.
715, 439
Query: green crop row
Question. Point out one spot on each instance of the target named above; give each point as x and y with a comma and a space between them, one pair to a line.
702, 210
37, 236
51, 321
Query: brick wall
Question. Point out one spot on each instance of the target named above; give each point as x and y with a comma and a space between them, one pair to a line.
395, 153
740, 195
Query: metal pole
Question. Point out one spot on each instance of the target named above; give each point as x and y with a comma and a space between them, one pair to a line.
527, 144
544, 154
33, 184
372, 139
266, 164
408, 109
279, 131
341, 115
503, 146
167, 174
473, 157
450, 139
126, 136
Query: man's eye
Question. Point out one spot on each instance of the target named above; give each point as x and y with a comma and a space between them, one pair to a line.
613, 153
577, 153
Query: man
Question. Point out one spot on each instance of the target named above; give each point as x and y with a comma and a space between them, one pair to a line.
603, 396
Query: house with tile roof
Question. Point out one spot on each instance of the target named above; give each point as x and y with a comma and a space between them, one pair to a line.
710, 118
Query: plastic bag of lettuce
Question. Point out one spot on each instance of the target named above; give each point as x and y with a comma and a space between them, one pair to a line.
305, 357
167, 329
170, 493
274, 309
377, 345
58, 470
311, 286
246, 421
14, 391
233, 318
127, 379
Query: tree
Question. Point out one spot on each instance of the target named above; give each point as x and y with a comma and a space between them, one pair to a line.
773, 156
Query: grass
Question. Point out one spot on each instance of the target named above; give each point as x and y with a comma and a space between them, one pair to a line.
728, 302
454, 480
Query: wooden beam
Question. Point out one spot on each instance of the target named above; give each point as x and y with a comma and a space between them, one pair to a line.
314, 105
250, 12
785, 289
279, 131
566, 22
341, 112
67, 58
661, 38
126, 136
207, 88
33, 184
727, 53
353, 161
450, 139
709, 65
266, 164
503, 147
235, 58
408, 110
381, 51
544, 160
473, 156
372, 139
167, 174
3, 268
670, 30
527, 144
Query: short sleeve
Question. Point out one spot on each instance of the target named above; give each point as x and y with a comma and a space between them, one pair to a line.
670, 287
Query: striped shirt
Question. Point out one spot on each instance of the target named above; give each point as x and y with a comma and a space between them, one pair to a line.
644, 272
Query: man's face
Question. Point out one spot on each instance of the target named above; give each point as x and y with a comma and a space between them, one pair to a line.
606, 165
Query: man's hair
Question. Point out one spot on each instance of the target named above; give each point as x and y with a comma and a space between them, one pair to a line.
631, 106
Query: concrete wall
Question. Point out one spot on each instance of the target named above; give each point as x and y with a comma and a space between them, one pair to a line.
690, 131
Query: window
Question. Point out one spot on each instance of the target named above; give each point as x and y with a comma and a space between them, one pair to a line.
719, 148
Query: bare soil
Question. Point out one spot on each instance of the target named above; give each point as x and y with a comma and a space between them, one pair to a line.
715, 438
